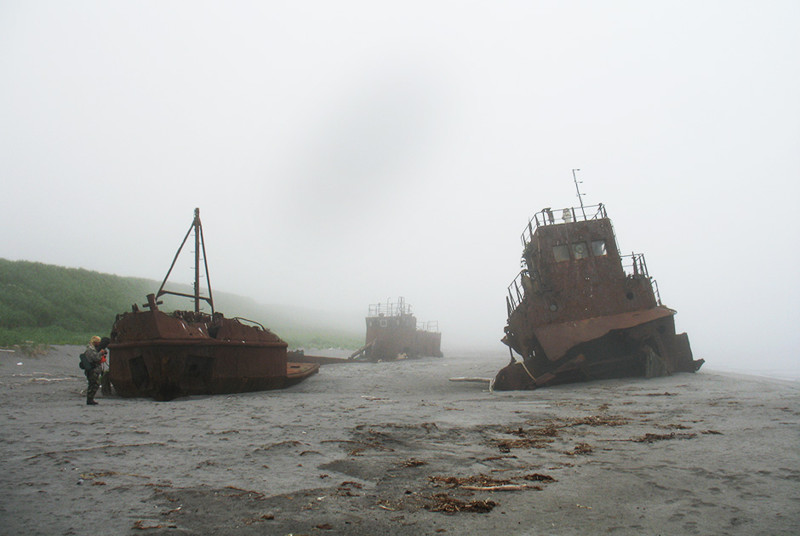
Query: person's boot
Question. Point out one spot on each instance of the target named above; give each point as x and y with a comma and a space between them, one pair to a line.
90, 402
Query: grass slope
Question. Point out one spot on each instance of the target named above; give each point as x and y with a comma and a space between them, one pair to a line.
50, 304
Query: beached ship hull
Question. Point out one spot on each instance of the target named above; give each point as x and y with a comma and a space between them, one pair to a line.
393, 333
577, 312
637, 345
164, 356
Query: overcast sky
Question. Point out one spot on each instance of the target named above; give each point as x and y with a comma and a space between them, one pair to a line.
342, 153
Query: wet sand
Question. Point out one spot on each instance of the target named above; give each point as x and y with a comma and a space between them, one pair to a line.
396, 448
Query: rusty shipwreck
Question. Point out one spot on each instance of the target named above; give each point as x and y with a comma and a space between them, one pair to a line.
579, 310
167, 355
394, 333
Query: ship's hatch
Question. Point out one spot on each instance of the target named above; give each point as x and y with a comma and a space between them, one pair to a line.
139, 373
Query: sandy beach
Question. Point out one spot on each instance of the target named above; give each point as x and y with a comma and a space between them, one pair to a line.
396, 448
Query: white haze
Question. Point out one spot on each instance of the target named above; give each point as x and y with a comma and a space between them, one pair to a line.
346, 152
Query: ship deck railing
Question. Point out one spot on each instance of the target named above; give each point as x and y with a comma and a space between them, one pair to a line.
635, 267
547, 216
431, 326
516, 292
389, 308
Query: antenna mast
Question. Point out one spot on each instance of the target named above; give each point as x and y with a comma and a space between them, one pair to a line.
578, 189
199, 243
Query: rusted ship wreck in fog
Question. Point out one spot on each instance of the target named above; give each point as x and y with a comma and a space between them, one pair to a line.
579, 310
394, 333
167, 355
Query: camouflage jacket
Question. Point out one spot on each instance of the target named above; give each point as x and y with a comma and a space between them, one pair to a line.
92, 355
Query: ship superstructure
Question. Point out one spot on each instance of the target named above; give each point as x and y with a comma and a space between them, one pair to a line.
394, 333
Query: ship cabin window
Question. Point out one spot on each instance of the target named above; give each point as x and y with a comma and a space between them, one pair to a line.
561, 253
383, 323
579, 250
599, 248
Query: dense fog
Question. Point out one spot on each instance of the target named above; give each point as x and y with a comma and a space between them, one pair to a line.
345, 153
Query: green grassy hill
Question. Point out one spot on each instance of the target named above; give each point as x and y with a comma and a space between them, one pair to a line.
49, 304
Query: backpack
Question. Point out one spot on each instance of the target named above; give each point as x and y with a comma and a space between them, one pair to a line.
84, 364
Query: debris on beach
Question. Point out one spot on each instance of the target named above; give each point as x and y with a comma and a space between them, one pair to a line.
141, 524
346, 488
482, 482
652, 438
442, 502
502, 487
599, 420
580, 449
41, 377
674, 426
538, 477
542, 436
471, 379
477, 480
579, 310
505, 445
253, 520
549, 430
411, 462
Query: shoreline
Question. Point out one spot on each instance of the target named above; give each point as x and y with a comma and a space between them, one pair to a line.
786, 376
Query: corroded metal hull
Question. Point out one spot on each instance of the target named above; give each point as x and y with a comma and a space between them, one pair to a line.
164, 356
647, 349
578, 312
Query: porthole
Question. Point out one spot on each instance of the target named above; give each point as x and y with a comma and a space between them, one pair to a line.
579, 250
553, 307
629, 295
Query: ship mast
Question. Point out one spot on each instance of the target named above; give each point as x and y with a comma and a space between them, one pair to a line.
577, 188
199, 243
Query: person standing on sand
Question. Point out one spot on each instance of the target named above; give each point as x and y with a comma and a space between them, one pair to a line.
95, 356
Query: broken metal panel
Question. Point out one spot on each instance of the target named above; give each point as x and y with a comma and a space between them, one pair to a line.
557, 339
